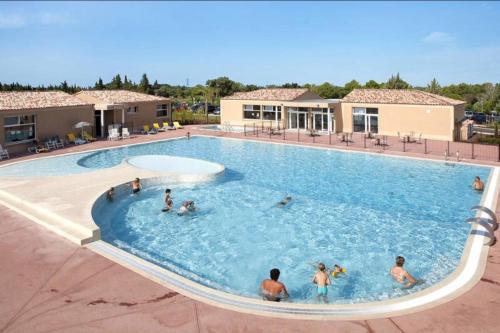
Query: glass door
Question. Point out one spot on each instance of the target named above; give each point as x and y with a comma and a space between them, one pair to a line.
297, 120
372, 124
302, 120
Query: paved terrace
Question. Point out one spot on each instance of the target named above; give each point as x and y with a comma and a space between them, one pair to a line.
48, 284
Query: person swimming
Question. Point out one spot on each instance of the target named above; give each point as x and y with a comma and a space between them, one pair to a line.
273, 290
168, 201
401, 275
337, 270
478, 185
110, 195
136, 185
187, 206
284, 202
322, 280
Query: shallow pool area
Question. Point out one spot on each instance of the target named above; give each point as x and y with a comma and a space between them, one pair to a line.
357, 210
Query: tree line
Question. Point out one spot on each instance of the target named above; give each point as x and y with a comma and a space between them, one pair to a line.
484, 97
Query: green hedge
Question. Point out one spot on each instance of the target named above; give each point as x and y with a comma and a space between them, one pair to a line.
188, 117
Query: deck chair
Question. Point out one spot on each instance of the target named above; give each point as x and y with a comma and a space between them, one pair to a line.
167, 126
177, 125
73, 139
157, 127
147, 130
88, 137
3, 153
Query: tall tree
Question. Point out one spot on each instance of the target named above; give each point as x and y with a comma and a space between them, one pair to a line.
144, 85
116, 82
396, 82
224, 86
99, 85
434, 87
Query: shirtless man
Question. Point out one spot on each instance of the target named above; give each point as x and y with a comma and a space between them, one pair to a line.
136, 185
187, 206
271, 289
321, 279
401, 275
478, 185
284, 202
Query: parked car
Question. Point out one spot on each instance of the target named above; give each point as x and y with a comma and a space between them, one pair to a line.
479, 118
217, 110
469, 114
200, 107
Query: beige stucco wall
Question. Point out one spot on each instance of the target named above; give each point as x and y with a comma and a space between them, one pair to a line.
145, 115
232, 110
49, 122
434, 122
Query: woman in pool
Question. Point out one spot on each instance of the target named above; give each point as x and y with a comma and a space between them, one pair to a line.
110, 194
401, 275
478, 185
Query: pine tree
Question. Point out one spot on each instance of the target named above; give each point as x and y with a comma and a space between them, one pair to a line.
396, 82
434, 87
99, 85
144, 85
116, 83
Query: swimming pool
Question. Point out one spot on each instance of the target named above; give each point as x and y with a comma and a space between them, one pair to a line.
357, 210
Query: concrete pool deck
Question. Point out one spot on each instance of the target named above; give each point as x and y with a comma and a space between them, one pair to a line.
177, 133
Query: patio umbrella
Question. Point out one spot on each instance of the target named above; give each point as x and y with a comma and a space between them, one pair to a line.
81, 125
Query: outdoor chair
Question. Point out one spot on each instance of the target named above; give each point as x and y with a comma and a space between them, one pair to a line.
88, 137
419, 138
3, 153
167, 126
49, 144
125, 133
147, 130
113, 134
157, 127
401, 138
177, 125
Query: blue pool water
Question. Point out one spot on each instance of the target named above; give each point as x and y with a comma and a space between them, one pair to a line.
357, 210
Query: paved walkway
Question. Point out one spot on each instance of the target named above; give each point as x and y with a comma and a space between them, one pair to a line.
48, 284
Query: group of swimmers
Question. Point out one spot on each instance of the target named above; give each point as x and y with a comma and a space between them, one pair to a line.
273, 290
187, 206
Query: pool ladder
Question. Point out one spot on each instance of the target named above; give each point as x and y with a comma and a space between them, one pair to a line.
490, 224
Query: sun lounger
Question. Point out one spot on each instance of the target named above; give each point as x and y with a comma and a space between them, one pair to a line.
147, 130
88, 137
73, 139
157, 127
167, 126
3, 153
177, 125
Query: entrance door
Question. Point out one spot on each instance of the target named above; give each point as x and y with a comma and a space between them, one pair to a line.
97, 124
297, 120
320, 122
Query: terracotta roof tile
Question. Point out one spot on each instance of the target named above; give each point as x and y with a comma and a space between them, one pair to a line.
278, 94
120, 96
398, 96
19, 100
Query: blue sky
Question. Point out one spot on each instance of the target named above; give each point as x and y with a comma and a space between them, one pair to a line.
251, 42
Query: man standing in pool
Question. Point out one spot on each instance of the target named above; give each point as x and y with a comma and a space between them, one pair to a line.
272, 289
401, 275
322, 280
136, 185
478, 185
168, 201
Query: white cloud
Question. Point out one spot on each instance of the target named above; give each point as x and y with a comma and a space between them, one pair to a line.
437, 37
12, 21
15, 21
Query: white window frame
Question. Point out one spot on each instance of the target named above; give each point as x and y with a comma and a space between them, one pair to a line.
9, 128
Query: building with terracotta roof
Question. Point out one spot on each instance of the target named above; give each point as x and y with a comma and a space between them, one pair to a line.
401, 112
377, 111
26, 116
125, 108
289, 108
